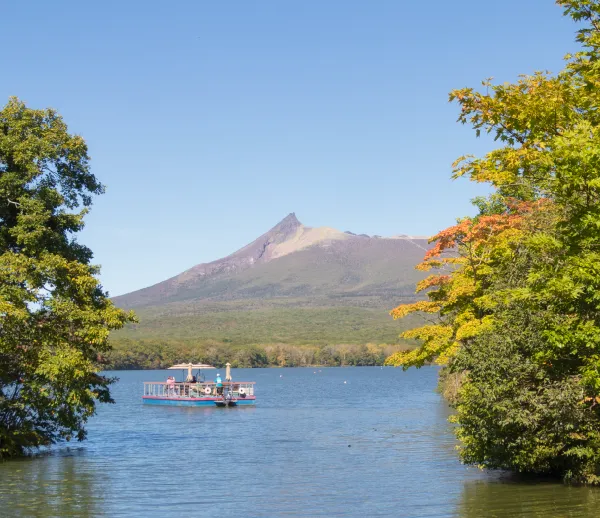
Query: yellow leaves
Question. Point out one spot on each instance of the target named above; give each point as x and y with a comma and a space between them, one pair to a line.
436, 339
8, 309
440, 342
525, 116
431, 281
486, 302
472, 328
459, 166
438, 333
423, 305
504, 166
462, 286
457, 291
406, 358
594, 400
427, 265
448, 353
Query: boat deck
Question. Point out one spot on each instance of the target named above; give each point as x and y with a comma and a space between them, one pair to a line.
238, 393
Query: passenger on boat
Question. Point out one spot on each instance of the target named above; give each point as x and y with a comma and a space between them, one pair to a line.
219, 383
170, 385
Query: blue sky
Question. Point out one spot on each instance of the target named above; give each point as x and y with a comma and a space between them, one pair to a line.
211, 121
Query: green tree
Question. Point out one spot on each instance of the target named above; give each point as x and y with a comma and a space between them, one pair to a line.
251, 356
520, 309
54, 315
518, 413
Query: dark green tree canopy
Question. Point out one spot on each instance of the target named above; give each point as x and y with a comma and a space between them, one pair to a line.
54, 315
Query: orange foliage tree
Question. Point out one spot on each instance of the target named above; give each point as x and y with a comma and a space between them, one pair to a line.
459, 305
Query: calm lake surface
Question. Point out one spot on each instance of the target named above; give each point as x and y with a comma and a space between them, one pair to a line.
361, 441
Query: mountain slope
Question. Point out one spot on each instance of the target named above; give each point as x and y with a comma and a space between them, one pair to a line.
291, 271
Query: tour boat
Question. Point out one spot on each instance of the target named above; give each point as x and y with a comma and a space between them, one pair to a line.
196, 391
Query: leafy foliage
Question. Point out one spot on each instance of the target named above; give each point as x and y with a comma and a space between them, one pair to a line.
54, 316
515, 412
517, 304
458, 296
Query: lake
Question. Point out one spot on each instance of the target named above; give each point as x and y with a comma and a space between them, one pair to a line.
362, 441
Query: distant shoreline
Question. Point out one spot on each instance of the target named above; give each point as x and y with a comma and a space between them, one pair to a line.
261, 367
155, 354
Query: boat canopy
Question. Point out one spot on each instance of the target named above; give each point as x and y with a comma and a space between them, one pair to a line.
192, 366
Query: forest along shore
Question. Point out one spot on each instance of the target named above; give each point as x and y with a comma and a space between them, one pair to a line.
137, 355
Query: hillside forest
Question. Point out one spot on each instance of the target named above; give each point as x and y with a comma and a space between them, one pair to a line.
269, 336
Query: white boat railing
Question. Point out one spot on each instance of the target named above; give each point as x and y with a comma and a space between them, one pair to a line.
201, 389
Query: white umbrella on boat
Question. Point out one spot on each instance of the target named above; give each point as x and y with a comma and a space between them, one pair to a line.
228, 372
190, 367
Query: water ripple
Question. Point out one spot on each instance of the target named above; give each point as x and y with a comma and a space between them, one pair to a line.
377, 445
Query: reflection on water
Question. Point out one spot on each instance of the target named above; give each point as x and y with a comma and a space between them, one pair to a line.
508, 498
330, 442
51, 485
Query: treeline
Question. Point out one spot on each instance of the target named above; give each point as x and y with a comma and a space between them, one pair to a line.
153, 354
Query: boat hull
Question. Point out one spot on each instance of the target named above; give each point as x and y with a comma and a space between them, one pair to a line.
191, 401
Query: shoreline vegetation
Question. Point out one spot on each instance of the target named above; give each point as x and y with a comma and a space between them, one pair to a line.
153, 354
55, 317
513, 290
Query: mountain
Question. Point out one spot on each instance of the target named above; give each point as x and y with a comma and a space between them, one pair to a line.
291, 273
292, 260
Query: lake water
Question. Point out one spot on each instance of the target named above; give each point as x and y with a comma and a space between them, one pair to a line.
361, 442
